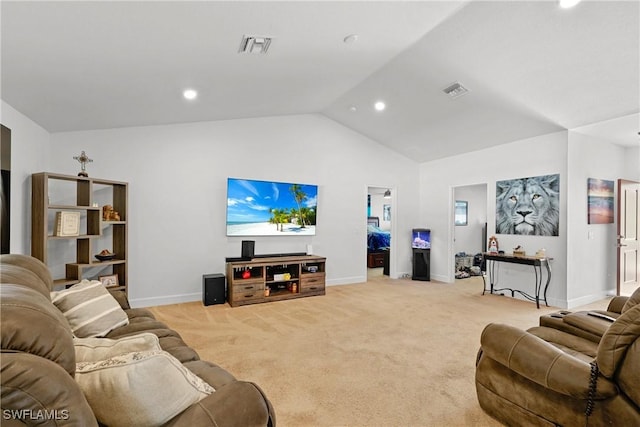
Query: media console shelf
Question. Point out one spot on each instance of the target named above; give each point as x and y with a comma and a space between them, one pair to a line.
275, 278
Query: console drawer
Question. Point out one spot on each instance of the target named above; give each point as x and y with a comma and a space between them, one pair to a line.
247, 287
313, 282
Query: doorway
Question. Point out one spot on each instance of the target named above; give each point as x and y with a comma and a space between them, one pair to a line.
379, 227
628, 246
469, 230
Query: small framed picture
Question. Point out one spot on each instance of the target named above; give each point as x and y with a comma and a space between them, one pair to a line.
109, 281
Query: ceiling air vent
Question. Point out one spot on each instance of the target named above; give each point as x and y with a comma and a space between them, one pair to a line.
455, 90
254, 44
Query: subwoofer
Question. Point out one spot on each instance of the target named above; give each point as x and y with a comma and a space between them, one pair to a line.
214, 289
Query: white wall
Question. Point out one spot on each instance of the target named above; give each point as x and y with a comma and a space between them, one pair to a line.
177, 194
29, 151
591, 248
468, 238
542, 155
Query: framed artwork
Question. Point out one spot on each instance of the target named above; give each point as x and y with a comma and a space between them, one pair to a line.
528, 206
599, 201
461, 213
110, 280
386, 212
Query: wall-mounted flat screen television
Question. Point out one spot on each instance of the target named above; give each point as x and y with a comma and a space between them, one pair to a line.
267, 208
421, 238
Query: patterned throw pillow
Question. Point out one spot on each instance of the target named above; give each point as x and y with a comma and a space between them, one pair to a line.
96, 349
90, 309
146, 388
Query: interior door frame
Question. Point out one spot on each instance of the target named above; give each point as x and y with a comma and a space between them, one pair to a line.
393, 248
620, 238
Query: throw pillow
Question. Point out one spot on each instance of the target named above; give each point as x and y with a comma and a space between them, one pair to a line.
96, 349
146, 388
90, 309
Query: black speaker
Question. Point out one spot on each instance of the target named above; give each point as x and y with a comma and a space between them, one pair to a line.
248, 247
213, 289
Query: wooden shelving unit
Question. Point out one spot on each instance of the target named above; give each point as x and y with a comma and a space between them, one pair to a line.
87, 196
275, 279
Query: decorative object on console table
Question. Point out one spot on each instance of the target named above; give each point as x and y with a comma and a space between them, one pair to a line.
519, 251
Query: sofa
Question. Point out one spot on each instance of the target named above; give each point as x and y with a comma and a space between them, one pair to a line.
135, 372
574, 369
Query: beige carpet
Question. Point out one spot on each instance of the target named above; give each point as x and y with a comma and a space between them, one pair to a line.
382, 353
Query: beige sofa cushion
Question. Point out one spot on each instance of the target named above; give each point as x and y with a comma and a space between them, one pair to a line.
90, 309
96, 349
145, 388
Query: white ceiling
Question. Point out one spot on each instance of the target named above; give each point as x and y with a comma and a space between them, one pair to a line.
531, 67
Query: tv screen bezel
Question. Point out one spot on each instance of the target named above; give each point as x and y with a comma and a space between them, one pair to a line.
254, 192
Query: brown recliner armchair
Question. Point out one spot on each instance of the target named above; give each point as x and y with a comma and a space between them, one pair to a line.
38, 361
590, 324
546, 377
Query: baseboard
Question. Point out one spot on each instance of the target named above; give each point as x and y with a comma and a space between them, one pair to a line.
440, 278
165, 300
346, 280
588, 299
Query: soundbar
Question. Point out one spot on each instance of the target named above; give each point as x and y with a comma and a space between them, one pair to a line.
265, 256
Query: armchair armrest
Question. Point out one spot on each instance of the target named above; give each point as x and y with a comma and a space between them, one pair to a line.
616, 304
237, 404
541, 362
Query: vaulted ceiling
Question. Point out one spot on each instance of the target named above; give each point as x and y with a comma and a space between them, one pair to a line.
531, 67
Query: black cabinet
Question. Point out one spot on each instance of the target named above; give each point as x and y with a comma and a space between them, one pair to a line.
421, 268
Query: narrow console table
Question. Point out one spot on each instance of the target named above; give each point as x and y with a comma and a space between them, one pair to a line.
536, 262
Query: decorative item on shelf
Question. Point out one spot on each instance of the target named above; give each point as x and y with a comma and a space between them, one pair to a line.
267, 291
284, 276
246, 274
493, 245
294, 288
67, 224
541, 253
110, 280
108, 214
518, 251
83, 159
105, 255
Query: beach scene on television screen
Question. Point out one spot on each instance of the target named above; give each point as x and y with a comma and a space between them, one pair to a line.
265, 208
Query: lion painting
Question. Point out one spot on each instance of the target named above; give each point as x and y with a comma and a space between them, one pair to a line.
528, 206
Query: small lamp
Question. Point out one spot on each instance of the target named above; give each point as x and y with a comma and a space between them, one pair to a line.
387, 194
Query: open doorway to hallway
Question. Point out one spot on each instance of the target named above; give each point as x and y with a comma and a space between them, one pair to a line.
470, 230
379, 221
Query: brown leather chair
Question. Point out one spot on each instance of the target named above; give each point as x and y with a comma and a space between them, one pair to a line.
548, 377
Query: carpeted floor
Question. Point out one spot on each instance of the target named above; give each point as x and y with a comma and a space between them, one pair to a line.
382, 353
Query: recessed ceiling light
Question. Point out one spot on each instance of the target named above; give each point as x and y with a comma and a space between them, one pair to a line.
190, 94
379, 106
353, 108
566, 4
